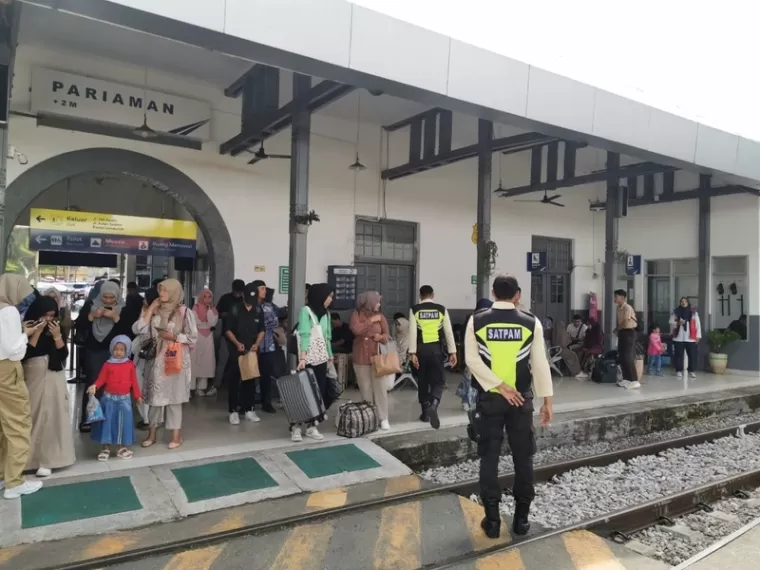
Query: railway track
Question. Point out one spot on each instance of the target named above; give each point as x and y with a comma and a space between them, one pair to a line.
617, 525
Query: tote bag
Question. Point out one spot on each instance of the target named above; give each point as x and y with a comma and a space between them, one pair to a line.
173, 359
316, 353
386, 361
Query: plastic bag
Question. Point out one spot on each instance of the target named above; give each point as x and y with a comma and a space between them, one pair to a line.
94, 411
173, 359
467, 392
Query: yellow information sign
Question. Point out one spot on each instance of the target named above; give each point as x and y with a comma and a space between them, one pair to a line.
111, 224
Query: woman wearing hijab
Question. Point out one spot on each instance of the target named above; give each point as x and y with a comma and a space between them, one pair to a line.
687, 332
562, 339
203, 353
64, 315
52, 445
319, 298
401, 325
168, 324
104, 319
16, 295
370, 329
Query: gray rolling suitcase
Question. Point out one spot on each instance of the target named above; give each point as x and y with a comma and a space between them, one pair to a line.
301, 397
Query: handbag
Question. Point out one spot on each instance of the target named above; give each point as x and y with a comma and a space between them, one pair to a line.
316, 353
386, 361
249, 366
356, 420
81, 334
148, 348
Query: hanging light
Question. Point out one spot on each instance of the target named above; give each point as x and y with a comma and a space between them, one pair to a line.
144, 131
357, 166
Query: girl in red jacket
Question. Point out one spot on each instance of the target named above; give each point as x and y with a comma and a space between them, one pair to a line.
119, 378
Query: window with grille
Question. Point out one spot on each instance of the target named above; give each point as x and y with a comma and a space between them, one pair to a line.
377, 240
556, 289
537, 288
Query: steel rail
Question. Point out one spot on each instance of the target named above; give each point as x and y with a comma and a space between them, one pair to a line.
616, 525
543, 473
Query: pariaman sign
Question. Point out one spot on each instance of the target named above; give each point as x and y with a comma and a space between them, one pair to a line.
89, 98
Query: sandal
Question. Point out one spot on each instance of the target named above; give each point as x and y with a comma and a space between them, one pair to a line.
148, 442
124, 453
104, 455
175, 444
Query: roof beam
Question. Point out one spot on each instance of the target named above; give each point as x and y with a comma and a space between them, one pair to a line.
685, 195
639, 169
272, 123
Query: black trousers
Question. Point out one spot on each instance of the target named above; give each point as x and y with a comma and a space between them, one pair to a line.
430, 379
93, 361
627, 354
499, 416
690, 348
241, 395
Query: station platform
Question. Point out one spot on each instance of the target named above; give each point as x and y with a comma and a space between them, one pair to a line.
208, 434
740, 551
404, 536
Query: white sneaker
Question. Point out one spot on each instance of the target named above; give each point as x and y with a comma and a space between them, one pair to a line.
252, 417
679, 374
200, 393
623, 383
26, 488
43, 472
465, 407
295, 434
313, 433
234, 418
633, 385
385, 425
581, 376
692, 375
210, 392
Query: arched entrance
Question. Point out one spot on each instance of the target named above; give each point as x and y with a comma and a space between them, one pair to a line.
32, 183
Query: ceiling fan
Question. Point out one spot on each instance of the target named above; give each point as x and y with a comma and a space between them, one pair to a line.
262, 154
546, 200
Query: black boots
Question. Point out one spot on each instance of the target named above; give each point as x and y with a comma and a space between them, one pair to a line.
491, 524
424, 417
432, 412
520, 523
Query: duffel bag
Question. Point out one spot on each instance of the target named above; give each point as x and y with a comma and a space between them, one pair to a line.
356, 420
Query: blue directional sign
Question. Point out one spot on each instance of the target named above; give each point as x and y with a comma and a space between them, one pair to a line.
633, 265
537, 261
52, 240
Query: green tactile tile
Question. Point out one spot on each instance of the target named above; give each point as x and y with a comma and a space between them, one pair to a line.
215, 480
77, 501
331, 460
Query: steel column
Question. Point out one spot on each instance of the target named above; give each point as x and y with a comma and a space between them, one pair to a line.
299, 194
611, 221
705, 260
485, 156
3, 181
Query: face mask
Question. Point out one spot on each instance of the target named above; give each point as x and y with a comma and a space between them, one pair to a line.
24, 305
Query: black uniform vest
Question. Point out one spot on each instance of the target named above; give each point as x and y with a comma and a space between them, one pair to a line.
505, 338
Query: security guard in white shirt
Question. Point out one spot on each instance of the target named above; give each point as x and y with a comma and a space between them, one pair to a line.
506, 354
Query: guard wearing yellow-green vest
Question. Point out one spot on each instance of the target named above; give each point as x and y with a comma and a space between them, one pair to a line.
505, 352
430, 328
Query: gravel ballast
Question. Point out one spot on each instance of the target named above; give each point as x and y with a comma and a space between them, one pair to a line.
729, 516
469, 469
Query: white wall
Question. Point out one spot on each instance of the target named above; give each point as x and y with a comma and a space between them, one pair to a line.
253, 200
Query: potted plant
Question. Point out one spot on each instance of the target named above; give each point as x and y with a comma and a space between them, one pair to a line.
718, 340
303, 221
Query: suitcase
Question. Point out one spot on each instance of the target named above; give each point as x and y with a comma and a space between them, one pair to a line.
605, 371
301, 397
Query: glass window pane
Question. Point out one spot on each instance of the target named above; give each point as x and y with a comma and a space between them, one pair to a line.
658, 267
686, 266
730, 265
537, 288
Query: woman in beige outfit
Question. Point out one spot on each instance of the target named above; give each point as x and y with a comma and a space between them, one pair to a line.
370, 329
167, 321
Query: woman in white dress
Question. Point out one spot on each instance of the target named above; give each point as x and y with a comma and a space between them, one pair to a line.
203, 355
